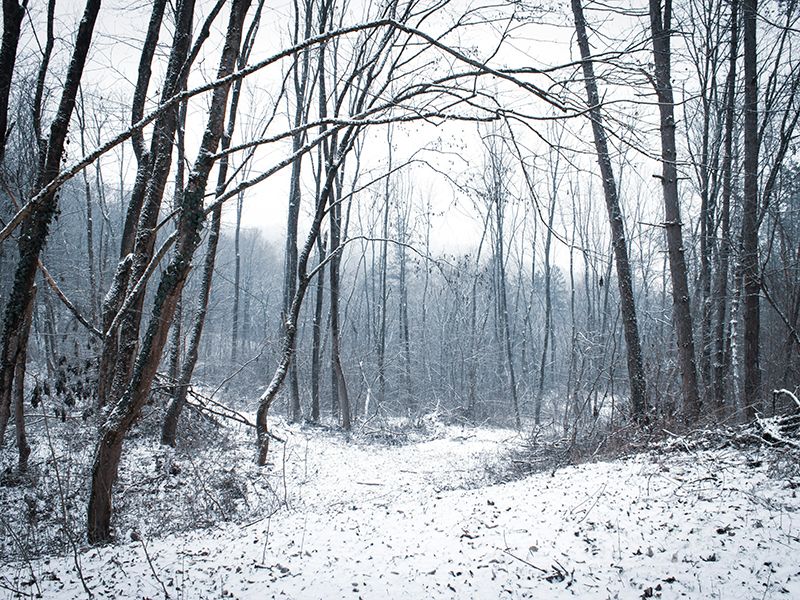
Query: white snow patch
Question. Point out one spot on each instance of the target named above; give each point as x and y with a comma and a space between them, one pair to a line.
373, 521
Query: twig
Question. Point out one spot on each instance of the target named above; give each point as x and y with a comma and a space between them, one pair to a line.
65, 512
522, 560
785, 392
205, 489
137, 537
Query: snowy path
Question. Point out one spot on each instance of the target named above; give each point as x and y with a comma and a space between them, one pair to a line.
390, 522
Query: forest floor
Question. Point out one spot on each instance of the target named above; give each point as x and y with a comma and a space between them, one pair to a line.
426, 518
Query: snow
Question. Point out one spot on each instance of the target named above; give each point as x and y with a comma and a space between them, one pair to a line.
424, 519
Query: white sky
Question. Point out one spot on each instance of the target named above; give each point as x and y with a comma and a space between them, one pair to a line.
456, 226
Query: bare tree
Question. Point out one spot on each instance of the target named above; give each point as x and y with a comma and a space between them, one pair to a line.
36, 226
618, 238
109, 448
13, 12
661, 29
750, 268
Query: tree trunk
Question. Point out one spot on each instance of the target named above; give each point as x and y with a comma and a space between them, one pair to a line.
316, 343
636, 375
158, 167
324, 198
384, 267
237, 275
300, 75
751, 390
337, 374
190, 222
12, 23
497, 191
721, 291
548, 308
405, 337
36, 226
165, 128
660, 22
170, 425
23, 448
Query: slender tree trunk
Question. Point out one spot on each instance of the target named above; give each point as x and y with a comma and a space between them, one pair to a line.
338, 381
93, 300
170, 425
661, 27
497, 195
383, 278
324, 199
721, 291
636, 375
300, 77
35, 227
474, 359
237, 275
548, 309
23, 448
751, 390
316, 343
405, 336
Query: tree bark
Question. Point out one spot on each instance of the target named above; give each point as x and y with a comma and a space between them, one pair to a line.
751, 389
36, 226
23, 448
316, 342
12, 24
636, 377
190, 222
660, 24
721, 357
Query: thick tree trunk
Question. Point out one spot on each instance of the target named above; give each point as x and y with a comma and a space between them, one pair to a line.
636, 375
12, 24
660, 22
751, 390
144, 176
155, 171
190, 222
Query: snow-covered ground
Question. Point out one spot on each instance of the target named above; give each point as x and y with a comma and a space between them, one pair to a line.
421, 521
